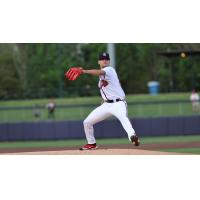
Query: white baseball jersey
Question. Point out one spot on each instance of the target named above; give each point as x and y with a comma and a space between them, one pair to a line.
109, 85
194, 97
110, 90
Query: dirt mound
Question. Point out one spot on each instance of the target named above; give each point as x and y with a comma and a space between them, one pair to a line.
144, 149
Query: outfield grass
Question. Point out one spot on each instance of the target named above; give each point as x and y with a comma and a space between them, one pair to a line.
171, 139
66, 143
97, 99
80, 112
41, 144
144, 140
183, 150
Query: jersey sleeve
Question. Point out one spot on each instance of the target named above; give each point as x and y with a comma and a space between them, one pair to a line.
108, 70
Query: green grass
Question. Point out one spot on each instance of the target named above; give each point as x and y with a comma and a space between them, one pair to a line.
97, 99
59, 143
171, 139
175, 139
43, 144
79, 113
159, 97
59, 101
65, 143
183, 150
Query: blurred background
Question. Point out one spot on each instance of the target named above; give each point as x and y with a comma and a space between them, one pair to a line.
157, 78
30, 71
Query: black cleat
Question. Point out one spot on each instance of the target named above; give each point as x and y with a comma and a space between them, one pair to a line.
135, 140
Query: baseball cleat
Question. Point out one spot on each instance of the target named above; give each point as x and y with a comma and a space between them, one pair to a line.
89, 147
135, 140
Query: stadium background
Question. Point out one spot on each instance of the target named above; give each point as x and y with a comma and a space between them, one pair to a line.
33, 73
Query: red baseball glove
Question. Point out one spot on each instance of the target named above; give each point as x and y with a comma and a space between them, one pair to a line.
73, 73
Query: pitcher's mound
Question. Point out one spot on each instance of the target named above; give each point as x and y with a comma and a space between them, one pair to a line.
97, 152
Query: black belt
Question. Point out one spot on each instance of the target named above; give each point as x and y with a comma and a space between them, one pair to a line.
112, 101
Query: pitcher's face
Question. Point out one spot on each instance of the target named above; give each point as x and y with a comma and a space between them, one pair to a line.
104, 63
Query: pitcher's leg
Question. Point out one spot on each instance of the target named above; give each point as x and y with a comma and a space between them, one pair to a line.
120, 111
97, 115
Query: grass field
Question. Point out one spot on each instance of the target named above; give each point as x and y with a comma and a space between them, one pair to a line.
97, 99
144, 140
77, 111
183, 150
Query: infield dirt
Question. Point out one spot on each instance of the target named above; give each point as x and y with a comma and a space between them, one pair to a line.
144, 149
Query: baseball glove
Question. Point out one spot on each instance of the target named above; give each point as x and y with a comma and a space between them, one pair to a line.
73, 73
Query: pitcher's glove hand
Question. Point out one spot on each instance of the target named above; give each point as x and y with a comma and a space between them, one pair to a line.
73, 73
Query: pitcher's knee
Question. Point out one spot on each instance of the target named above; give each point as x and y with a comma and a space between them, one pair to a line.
87, 123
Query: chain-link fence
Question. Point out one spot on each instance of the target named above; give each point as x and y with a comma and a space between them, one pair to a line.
79, 112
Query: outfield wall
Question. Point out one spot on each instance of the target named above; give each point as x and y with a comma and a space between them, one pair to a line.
165, 126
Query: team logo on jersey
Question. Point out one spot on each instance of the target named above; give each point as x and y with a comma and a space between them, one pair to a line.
103, 83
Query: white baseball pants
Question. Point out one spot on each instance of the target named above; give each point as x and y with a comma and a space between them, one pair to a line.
118, 109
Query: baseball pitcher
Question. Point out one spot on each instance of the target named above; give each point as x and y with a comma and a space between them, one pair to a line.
113, 100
